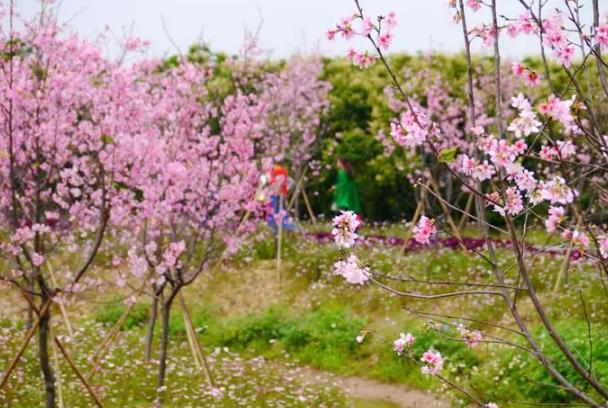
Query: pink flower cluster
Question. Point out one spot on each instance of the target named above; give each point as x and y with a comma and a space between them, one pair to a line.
559, 110
576, 237
556, 216
345, 227
505, 157
603, 244
601, 37
424, 230
512, 203
526, 123
470, 337
361, 59
412, 129
554, 35
487, 33
405, 341
530, 77
556, 191
351, 270
381, 34
474, 5
344, 232
523, 25
432, 362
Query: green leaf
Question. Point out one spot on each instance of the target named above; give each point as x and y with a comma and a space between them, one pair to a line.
447, 155
106, 139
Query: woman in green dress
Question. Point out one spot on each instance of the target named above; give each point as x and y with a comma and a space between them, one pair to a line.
346, 196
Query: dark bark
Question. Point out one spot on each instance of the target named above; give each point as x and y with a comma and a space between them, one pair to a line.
164, 341
43, 353
30, 308
151, 326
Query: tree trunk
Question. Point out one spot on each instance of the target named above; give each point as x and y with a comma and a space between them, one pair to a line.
164, 343
30, 307
151, 325
43, 352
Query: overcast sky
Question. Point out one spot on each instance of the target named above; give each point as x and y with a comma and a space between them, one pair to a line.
288, 25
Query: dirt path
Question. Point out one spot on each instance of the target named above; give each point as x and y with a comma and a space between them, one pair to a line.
370, 393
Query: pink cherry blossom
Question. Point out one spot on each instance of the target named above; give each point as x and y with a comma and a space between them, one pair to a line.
405, 340
548, 152
366, 26
351, 270
37, 259
470, 337
557, 191
391, 20
556, 215
424, 230
411, 130
345, 27
513, 203
483, 171
474, 5
517, 69
344, 229
384, 41
576, 237
532, 78
433, 362
603, 244
565, 55
601, 36
566, 149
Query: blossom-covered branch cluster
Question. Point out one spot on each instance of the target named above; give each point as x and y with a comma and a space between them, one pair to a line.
379, 31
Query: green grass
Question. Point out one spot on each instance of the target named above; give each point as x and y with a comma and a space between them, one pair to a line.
125, 380
313, 317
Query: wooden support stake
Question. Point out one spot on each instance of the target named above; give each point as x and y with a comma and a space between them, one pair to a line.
311, 214
563, 273
57, 376
24, 345
279, 236
77, 372
197, 351
467, 210
191, 342
419, 210
449, 218
112, 334
64, 313
296, 190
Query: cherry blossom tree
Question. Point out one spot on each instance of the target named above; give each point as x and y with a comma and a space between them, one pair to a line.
296, 99
198, 177
65, 117
537, 151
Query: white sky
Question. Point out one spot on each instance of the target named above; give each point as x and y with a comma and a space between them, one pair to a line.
288, 25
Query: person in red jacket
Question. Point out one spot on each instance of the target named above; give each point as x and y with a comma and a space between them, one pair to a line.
278, 179
279, 187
